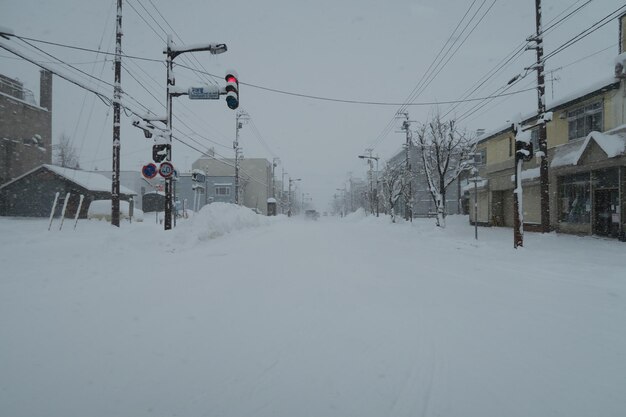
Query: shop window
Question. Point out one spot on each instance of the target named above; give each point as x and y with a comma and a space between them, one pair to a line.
584, 120
608, 178
575, 198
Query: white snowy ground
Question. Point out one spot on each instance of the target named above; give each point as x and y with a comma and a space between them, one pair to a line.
339, 317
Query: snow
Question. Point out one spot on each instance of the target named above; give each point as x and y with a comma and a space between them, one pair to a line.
354, 316
470, 186
600, 84
101, 210
89, 180
569, 154
529, 174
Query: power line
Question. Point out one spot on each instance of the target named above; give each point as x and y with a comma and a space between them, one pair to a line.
597, 25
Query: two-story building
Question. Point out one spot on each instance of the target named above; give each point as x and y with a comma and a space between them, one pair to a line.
255, 181
587, 163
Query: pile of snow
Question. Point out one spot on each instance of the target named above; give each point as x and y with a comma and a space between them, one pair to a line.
217, 219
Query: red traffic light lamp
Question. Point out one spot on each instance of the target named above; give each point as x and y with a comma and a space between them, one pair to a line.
232, 89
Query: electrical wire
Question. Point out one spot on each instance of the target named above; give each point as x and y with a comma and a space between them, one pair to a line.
588, 31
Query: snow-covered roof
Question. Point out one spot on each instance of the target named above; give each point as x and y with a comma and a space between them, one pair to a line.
470, 186
598, 85
89, 180
528, 174
612, 144
271, 200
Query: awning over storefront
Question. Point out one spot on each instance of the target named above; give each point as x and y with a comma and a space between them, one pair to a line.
612, 143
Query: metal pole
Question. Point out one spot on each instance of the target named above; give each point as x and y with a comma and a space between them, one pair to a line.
289, 200
168, 181
518, 220
543, 142
475, 208
236, 147
117, 96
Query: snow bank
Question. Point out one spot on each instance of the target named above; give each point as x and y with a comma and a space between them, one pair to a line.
217, 219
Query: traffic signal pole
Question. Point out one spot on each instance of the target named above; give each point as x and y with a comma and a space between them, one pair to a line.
171, 81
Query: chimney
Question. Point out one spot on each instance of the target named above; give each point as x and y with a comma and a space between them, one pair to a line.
45, 90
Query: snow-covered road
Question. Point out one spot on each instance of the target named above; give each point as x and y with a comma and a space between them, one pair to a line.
339, 317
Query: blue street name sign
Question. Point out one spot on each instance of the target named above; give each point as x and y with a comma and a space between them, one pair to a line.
208, 92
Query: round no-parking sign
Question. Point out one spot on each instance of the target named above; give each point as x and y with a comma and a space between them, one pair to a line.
149, 170
166, 169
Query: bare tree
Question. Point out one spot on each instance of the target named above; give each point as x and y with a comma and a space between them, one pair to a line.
65, 154
444, 150
393, 186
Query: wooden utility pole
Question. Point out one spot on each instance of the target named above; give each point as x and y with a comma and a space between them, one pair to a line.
541, 110
117, 96
408, 209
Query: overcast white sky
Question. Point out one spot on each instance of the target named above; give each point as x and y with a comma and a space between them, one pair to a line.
349, 49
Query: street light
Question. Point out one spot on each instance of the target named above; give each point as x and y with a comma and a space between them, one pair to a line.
372, 194
289, 195
172, 51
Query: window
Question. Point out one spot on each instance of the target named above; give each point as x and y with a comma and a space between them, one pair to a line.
481, 157
511, 140
584, 120
575, 198
534, 139
222, 190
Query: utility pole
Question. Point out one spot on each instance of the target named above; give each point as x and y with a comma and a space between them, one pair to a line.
275, 163
117, 96
289, 195
406, 128
541, 110
241, 115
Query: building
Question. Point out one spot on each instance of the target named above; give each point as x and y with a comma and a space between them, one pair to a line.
25, 127
587, 163
422, 204
32, 194
133, 180
255, 181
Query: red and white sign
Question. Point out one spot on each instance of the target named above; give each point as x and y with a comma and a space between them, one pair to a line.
149, 171
166, 169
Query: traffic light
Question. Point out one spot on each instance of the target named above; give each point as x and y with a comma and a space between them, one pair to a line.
232, 89
523, 150
160, 152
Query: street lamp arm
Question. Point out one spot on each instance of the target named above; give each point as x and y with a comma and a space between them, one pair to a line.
213, 48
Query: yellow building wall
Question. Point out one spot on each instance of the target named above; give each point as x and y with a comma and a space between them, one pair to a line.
498, 148
613, 116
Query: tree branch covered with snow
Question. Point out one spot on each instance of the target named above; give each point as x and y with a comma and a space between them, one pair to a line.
444, 151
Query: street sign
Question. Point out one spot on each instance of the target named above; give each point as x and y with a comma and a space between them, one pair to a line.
208, 92
166, 169
198, 177
149, 171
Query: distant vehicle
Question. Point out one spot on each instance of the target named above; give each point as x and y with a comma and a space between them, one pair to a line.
311, 214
